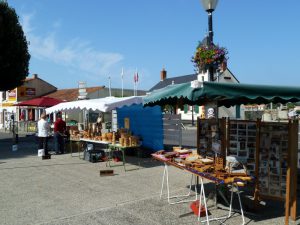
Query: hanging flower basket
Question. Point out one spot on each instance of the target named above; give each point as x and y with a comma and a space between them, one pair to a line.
209, 56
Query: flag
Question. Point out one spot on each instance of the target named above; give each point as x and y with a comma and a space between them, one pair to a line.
136, 77
122, 73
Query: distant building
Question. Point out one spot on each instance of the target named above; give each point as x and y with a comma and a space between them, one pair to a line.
33, 87
71, 94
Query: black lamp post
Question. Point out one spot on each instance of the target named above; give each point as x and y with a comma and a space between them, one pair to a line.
210, 6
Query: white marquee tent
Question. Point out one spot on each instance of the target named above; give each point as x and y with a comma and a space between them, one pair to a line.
100, 104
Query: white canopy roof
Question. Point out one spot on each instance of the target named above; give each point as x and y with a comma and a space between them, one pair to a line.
99, 104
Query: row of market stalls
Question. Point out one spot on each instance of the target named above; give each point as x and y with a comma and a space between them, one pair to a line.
269, 150
114, 113
27, 113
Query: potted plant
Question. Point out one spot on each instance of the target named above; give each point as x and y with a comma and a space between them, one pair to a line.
209, 56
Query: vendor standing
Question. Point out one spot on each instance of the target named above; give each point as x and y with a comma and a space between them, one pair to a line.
59, 131
43, 131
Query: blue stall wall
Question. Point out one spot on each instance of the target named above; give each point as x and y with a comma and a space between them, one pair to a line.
145, 122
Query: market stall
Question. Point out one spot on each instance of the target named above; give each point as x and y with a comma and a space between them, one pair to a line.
95, 107
146, 122
29, 112
95, 132
245, 139
203, 168
225, 94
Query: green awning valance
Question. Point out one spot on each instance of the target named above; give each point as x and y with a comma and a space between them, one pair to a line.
225, 94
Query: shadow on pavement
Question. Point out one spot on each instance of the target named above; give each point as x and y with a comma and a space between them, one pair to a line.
269, 210
27, 146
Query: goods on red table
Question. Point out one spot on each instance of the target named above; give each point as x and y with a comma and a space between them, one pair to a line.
192, 157
160, 152
207, 161
184, 151
210, 168
170, 154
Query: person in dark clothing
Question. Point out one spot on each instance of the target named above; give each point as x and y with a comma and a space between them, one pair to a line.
59, 131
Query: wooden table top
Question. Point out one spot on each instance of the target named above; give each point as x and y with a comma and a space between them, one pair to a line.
212, 176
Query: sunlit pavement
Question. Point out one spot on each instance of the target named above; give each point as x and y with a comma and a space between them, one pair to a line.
68, 190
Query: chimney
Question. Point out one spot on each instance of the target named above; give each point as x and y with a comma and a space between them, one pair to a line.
163, 74
223, 66
34, 76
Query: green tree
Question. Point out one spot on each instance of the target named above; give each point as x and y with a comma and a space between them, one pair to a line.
14, 56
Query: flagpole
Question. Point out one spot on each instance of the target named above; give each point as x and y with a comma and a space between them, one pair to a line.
136, 88
109, 86
137, 82
134, 84
122, 74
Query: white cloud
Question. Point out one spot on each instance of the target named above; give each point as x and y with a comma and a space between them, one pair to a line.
77, 55
26, 23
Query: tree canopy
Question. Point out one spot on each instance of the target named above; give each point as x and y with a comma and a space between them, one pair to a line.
14, 56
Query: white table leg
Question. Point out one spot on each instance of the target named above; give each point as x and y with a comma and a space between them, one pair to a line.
202, 195
242, 212
230, 206
240, 202
163, 180
166, 175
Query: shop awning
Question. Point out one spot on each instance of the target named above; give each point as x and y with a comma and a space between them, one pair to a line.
40, 102
225, 94
100, 104
171, 95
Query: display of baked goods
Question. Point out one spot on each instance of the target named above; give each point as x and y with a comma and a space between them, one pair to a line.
184, 151
207, 161
192, 157
176, 148
210, 168
170, 154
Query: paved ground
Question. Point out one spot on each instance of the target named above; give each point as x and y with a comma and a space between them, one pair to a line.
67, 190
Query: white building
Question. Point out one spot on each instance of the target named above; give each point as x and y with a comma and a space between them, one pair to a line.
192, 112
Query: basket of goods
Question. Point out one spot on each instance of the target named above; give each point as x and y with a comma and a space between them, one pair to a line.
113, 139
133, 141
126, 142
85, 134
121, 141
98, 138
109, 136
125, 135
104, 137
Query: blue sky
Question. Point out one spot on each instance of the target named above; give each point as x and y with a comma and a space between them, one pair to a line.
90, 40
